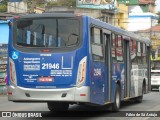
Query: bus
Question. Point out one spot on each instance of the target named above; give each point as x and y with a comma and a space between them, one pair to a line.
64, 58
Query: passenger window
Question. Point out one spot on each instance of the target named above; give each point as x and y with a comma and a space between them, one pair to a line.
97, 36
97, 44
114, 40
119, 50
139, 51
144, 59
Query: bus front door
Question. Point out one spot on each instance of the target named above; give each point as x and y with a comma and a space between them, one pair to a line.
108, 65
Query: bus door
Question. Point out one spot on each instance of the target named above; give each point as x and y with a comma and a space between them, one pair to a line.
108, 65
99, 44
127, 71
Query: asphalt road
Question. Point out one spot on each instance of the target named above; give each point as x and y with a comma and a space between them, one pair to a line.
129, 109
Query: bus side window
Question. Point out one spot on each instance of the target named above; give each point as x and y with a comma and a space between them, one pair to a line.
139, 53
144, 59
119, 50
97, 44
134, 52
114, 41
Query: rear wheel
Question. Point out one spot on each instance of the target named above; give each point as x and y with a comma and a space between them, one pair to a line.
58, 106
117, 100
140, 98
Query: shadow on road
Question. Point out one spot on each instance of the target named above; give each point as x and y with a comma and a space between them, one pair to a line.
90, 111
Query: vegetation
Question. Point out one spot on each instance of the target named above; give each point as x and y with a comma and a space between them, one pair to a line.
3, 5
68, 3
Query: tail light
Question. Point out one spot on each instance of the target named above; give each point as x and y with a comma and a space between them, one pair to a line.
13, 77
81, 76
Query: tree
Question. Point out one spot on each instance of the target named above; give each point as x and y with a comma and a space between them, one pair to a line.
3, 5
159, 17
68, 3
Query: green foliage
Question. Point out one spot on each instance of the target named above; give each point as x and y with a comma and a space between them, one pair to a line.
68, 3
3, 8
3, 5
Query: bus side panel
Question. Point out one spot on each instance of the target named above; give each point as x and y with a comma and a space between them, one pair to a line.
97, 83
117, 76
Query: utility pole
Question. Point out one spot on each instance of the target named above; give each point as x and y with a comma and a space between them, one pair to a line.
151, 29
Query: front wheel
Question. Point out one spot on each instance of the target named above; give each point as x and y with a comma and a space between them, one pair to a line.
58, 106
117, 100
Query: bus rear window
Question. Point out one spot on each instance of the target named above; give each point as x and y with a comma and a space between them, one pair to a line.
48, 33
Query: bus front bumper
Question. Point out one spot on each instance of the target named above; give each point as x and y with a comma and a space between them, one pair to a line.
73, 94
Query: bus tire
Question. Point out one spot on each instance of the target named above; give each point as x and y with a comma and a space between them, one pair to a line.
117, 100
58, 106
140, 98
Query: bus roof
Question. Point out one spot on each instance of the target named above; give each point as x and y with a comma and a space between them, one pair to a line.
126, 34
48, 15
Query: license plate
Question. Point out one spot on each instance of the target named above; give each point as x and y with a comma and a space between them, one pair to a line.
46, 79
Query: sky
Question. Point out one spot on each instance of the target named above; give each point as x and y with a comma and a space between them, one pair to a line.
157, 5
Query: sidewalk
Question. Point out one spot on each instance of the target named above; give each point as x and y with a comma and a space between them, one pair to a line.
3, 95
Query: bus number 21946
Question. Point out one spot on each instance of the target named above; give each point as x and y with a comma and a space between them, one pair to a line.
50, 65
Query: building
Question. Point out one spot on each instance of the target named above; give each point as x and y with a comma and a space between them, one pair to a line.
143, 5
110, 12
38, 10
141, 14
121, 17
154, 34
142, 21
3, 54
17, 6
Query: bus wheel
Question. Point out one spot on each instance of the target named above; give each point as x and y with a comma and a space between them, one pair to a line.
117, 100
58, 106
140, 98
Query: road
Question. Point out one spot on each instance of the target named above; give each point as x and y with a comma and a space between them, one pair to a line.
151, 103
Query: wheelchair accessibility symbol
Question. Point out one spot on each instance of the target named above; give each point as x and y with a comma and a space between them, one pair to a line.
14, 55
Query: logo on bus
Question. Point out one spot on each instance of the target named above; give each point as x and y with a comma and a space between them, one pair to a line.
97, 72
15, 55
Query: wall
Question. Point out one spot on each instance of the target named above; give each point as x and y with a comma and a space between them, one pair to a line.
121, 18
141, 21
17, 7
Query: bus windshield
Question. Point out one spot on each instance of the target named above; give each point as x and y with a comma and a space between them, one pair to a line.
47, 32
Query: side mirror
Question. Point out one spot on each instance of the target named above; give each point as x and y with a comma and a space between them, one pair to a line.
9, 24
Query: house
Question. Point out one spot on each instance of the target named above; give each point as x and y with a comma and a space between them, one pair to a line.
141, 14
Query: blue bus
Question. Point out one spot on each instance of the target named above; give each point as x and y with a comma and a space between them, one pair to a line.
65, 59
